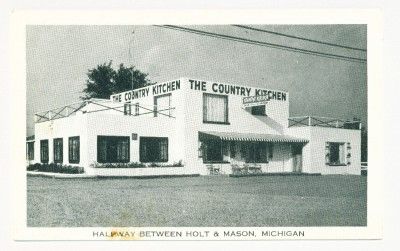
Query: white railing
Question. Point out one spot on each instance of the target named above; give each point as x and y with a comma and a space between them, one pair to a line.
60, 112
99, 106
324, 122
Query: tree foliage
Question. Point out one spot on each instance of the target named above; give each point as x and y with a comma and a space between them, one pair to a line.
104, 81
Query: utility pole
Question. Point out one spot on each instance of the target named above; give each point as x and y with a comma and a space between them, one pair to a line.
131, 55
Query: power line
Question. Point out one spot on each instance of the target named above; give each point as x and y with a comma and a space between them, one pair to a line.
266, 44
301, 38
272, 45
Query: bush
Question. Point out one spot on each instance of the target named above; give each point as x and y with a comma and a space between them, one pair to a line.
33, 167
55, 168
154, 165
177, 164
134, 165
118, 165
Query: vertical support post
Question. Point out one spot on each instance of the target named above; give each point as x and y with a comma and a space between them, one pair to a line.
337, 123
309, 120
222, 152
137, 109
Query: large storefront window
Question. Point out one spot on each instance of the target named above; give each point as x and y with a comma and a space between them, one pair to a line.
73, 149
112, 149
162, 105
153, 149
255, 152
44, 151
58, 150
335, 153
215, 108
212, 151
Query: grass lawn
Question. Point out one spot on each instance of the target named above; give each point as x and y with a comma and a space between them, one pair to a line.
198, 201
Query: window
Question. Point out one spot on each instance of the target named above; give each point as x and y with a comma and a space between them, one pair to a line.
73, 149
258, 110
212, 151
153, 149
256, 152
335, 153
233, 149
58, 150
127, 109
270, 151
113, 149
215, 108
30, 150
162, 105
44, 151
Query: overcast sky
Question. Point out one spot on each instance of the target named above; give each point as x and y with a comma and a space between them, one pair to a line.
58, 58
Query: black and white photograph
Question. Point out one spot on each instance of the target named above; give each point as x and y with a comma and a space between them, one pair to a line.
197, 125
162, 128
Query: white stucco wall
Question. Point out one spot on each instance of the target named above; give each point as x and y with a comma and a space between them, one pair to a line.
117, 125
320, 135
314, 151
75, 125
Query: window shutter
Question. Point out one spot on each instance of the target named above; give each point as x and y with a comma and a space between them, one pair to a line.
348, 154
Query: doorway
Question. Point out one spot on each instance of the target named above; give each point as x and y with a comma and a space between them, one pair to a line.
297, 156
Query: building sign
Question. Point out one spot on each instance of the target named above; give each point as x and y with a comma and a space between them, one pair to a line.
255, 101
155, 89
228, 89
202, 86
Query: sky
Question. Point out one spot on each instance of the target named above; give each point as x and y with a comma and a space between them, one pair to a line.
59, 57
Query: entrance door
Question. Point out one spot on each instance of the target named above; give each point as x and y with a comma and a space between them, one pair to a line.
297, 156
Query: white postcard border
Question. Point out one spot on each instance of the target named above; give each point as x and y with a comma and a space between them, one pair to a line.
372, 18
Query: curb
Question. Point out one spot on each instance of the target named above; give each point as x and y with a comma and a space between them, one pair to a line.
86, 176
274, 174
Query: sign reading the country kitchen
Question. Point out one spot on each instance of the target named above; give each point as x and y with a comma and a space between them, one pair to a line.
229, 89
155, 89
203, 86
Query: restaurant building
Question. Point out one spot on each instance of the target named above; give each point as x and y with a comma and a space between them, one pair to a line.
189, 126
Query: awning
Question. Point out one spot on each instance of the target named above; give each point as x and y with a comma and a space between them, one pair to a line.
234, 136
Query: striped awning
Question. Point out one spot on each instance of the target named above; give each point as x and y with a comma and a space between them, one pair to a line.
234, 136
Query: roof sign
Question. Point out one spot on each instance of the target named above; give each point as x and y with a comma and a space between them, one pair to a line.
255, 101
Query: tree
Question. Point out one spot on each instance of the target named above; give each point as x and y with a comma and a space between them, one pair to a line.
104, 81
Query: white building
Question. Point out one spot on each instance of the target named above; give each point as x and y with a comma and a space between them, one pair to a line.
207, 126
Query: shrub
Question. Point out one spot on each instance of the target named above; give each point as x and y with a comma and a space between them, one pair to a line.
33, 167
55, 168
154, 165
177, 164
134, 165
